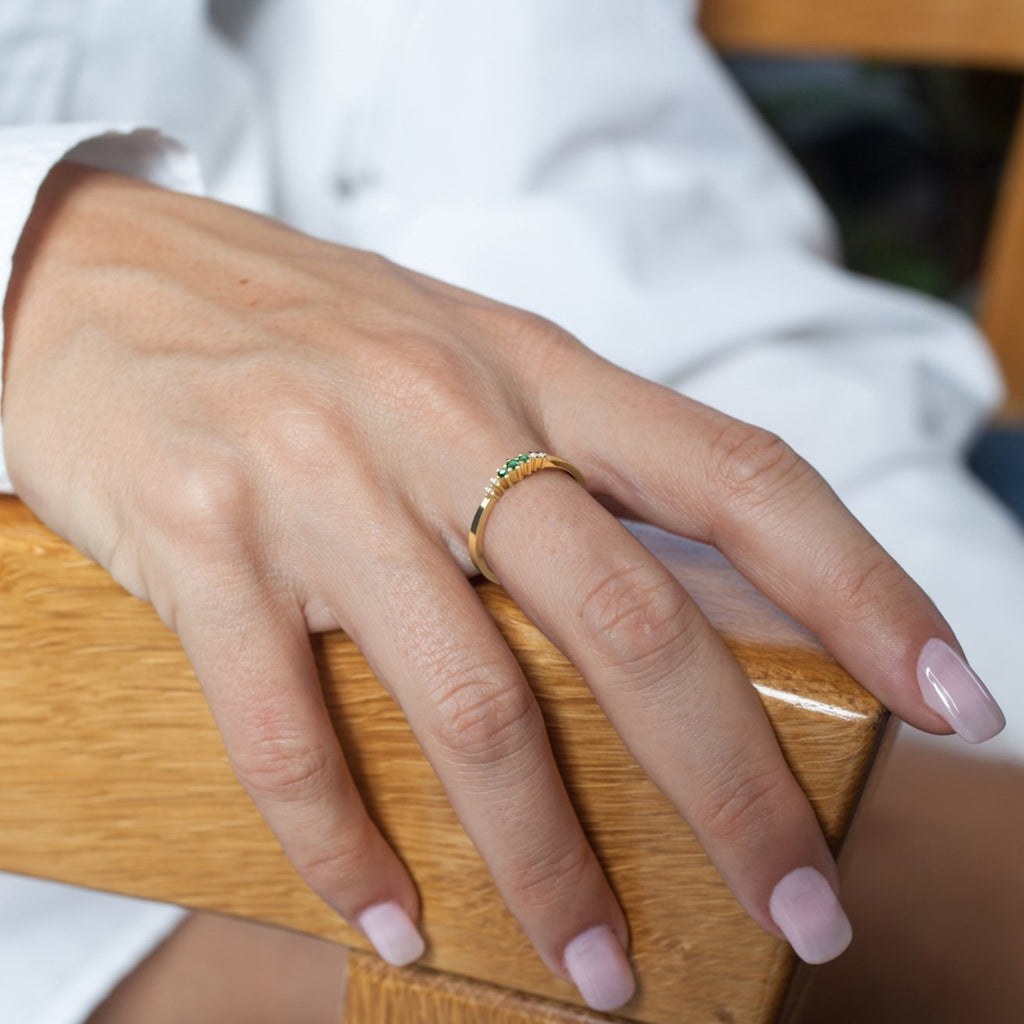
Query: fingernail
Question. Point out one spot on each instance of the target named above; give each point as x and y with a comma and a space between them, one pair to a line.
598, 967
392, 933
951, 688
807, 910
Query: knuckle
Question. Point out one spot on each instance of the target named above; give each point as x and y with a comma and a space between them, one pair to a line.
534, 331
336, 862
641, 619
421, 373
207, 501
540, 343
863, 589
286, 767
479, 719
742, 801
428, 386
303, 438
751, 465
550, 881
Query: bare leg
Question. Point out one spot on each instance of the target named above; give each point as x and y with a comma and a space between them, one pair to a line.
218, 970
934, 883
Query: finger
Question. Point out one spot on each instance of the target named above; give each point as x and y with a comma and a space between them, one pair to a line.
252, 655
678, 699
478, 723
694, 471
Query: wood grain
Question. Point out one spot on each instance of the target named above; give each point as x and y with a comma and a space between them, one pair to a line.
974, 32
114, 777
379, 994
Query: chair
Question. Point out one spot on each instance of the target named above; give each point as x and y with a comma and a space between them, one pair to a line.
118, 754
114, 778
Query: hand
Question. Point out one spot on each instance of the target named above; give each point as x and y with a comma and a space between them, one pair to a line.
266, 435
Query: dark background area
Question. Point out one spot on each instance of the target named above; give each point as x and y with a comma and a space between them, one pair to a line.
909, 161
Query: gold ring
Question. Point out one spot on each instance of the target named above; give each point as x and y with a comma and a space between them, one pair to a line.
515, 469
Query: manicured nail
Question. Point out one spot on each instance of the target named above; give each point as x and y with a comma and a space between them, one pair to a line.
951, 688
392, 933
598, 967
807, 910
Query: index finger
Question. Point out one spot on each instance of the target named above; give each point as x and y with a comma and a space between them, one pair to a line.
697, 472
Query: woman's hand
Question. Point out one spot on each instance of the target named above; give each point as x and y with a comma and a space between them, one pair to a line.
266, 435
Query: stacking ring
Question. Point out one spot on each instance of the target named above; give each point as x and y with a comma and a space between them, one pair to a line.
515, 469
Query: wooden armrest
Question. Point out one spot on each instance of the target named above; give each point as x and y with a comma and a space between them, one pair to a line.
115, 778
973, 32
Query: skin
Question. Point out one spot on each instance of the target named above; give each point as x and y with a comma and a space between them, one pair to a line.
265, 435
233, 972
931, 873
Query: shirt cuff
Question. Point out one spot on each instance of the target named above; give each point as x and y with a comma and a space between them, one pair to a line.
63, 950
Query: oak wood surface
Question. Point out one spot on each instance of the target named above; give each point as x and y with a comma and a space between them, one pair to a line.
376, 993
115, 778
962, 32
982, 32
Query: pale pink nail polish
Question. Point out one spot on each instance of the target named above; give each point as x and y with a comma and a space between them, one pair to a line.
950, 687
597, 964
808, 912
392, 933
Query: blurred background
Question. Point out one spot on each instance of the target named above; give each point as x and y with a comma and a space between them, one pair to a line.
909, 161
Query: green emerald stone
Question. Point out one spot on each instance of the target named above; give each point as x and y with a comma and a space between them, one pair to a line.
503, 471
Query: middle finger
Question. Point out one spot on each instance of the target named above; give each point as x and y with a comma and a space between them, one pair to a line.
677, 697
478, 723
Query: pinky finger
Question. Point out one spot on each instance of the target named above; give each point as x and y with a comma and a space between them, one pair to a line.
255, 665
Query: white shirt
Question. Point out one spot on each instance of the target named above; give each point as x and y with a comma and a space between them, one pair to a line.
587, 159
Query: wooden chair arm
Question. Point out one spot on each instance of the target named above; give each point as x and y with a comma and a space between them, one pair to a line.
965, 32
115, 778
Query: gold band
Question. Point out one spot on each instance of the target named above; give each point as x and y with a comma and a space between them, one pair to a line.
514, 470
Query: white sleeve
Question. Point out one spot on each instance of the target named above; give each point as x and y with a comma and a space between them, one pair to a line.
64, 949
603, 170
28, 153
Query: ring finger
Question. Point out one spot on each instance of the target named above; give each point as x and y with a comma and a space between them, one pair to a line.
477, 721
676, 696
